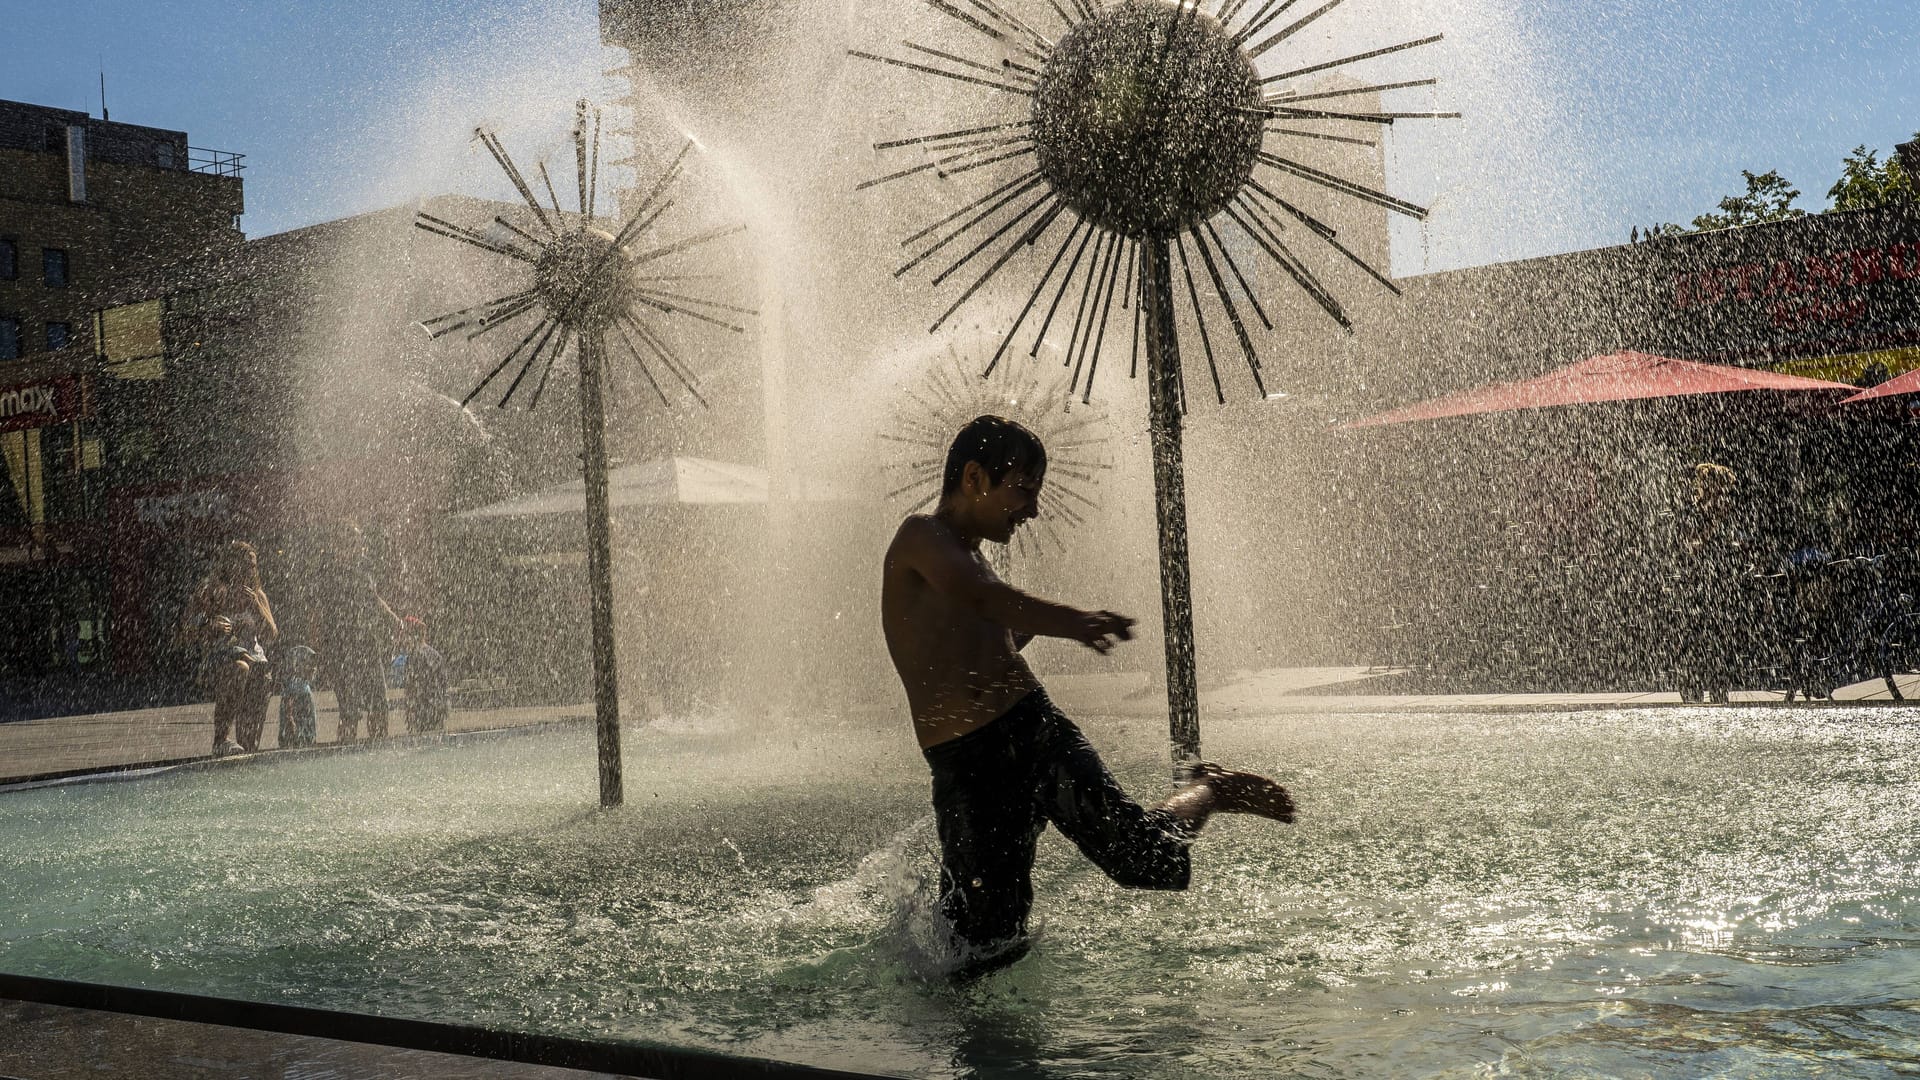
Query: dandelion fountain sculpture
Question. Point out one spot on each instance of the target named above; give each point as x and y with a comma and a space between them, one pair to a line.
1147, 122
587, 288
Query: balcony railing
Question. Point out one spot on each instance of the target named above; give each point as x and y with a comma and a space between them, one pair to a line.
215, 162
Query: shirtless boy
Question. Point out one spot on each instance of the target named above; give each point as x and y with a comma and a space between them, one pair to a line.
1005, 761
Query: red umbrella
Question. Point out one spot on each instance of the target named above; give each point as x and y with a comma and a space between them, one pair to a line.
1904, 384
1624, 376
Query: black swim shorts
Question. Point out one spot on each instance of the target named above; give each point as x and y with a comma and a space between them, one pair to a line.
994, 790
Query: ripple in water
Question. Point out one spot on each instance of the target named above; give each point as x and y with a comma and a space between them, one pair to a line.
1682, 892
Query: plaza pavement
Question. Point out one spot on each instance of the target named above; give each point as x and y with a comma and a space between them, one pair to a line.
74, 745
68, 745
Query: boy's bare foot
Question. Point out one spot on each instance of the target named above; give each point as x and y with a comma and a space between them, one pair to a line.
1244, 793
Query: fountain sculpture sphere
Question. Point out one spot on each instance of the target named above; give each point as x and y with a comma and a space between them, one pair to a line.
1145, 118
583, 281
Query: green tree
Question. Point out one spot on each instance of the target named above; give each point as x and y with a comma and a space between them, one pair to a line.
1865, 182
1769, 197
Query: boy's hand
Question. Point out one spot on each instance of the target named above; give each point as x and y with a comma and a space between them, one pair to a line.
1102, 630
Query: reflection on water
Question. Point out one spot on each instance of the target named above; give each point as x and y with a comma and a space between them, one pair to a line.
1644, 892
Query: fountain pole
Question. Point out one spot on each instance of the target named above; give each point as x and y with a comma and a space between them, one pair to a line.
584, 289
1146, 122
593, 468
1164, 409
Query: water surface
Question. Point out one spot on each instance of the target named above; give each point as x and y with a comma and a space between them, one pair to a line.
1646, 892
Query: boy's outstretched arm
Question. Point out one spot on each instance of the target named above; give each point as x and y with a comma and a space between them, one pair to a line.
927, 548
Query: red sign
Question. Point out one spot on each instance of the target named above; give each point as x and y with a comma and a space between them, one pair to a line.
1802, 290
60, 400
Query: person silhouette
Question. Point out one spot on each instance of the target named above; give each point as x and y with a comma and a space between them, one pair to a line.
1005, 761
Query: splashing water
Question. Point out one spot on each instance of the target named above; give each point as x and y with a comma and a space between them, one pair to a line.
1701, 893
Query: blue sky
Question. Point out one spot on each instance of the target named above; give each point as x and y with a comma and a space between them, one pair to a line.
1668, 101
339, 107
1584, 116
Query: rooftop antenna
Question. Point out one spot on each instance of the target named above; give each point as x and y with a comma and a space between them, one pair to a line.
103, 91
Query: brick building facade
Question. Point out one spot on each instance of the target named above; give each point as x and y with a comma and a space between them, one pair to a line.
85, 204
273, 391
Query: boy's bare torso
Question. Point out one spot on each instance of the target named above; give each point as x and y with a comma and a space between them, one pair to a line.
959, 670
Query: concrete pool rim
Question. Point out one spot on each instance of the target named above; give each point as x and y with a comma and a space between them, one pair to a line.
620, 1058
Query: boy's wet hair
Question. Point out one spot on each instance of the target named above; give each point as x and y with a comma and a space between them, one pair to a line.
1000, 446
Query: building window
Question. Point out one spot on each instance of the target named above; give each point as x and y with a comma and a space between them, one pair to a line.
9, 258
163, 155
59, 335
9, 338
53, 267
136, 445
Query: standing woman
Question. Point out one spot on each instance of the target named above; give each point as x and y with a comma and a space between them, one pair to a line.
232, 624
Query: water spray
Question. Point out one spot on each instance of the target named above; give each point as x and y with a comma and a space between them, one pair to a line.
1148, 128
588, 287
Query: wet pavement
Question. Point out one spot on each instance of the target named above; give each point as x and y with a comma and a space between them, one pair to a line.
69, 745
66, 745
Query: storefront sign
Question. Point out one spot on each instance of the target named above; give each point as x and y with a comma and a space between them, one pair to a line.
42, 404
1822, 285
185, 506
1825, 288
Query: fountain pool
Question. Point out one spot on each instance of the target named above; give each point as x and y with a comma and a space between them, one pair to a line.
1649, 892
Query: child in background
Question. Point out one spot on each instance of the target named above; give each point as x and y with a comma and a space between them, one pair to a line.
426, 679
296, 700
